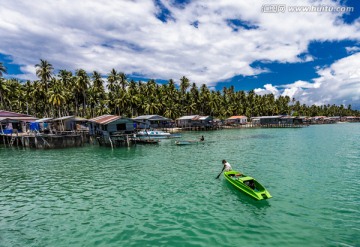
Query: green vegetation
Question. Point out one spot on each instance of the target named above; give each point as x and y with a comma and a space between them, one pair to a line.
83, 95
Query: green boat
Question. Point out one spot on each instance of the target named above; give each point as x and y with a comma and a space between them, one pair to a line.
247, 184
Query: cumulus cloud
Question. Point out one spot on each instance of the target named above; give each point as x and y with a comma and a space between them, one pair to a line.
302, 84
128, 36
268, 89
352, 49
337, 84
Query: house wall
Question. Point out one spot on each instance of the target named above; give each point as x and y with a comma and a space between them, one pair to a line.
287, 121
236, 121
269, 120
183, 123
193, 123
65, 125
159, 124
95, 128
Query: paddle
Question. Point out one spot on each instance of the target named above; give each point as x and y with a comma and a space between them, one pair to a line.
220, 173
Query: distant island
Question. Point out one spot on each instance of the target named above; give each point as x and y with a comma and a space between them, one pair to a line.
86, 95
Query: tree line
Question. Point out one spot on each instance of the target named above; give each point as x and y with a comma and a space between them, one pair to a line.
87, 95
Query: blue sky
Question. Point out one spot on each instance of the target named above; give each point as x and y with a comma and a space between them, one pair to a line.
313, 57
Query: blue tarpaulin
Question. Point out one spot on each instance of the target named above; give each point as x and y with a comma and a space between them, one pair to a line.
34, 126
7, 131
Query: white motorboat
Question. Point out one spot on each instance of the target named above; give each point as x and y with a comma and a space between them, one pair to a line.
153, 134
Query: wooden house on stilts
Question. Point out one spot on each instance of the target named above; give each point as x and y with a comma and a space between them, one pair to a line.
111, 130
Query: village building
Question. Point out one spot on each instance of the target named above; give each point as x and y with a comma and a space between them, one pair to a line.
350, 119
69, 123
152, 121
111, 130
236, 120
194, 121
12, 122
277, 121
110, 124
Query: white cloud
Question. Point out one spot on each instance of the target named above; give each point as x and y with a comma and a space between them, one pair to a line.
268, 89
127, 36
337, 84
352, 49
302, 84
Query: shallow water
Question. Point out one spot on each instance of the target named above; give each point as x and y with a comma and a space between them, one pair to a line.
167, 195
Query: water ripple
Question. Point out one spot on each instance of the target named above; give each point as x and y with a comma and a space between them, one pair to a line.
167, 195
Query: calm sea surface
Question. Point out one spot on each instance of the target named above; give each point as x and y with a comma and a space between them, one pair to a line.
167, 195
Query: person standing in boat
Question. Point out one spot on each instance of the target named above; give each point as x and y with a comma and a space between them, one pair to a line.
227, 167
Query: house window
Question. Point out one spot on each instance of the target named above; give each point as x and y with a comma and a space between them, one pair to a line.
121, 126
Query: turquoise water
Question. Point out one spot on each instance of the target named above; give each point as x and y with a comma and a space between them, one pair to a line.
167, 195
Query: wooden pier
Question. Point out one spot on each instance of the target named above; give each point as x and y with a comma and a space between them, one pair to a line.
250, 125
201, 128
44, 141
115, 140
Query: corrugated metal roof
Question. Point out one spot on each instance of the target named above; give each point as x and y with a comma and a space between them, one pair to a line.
203, 117
12, 114
21, 119
41, 120
188, 117
151, 117
63, 118
80, 119
104, 119
143, 117
237, 117
264, 117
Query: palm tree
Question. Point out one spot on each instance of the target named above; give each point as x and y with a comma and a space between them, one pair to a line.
122, 80
65, 77
113, 80
57, 98
98, 82
66, 92
3, 91
27, 88
2, 83
2, 69
82, 82
44, 71
13, 95
204, 99
151, 107
172, 111
184, 84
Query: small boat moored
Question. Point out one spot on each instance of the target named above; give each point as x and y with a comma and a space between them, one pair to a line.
153, 134
188, 142
247, 184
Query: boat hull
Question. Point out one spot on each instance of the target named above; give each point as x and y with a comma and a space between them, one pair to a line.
186, 142
248, 185
153, 134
